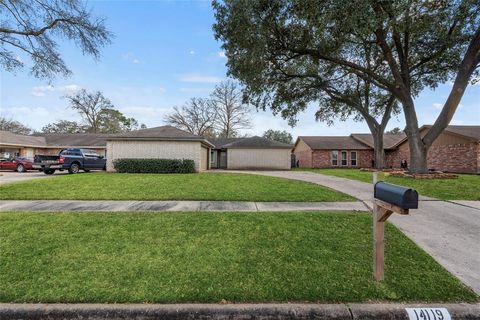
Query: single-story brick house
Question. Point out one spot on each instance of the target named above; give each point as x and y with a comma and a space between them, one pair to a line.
250, 153
326, 152
164, 142
28, 146
455, 150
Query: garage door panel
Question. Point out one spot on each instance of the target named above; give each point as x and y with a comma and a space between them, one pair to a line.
277, 159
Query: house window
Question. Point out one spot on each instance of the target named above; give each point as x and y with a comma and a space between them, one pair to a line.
344, 158
353, 158
335, 158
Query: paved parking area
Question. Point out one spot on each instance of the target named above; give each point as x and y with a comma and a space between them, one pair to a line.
11, 176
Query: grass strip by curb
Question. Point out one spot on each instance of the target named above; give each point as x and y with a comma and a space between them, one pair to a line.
210, 257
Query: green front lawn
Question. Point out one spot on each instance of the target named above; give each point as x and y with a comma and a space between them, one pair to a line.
466, 187
205, 186
208, 257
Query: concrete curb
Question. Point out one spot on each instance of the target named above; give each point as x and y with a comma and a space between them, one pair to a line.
227, 311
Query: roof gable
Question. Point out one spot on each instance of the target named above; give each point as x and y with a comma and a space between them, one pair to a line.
390, 140
167, 132
471, 132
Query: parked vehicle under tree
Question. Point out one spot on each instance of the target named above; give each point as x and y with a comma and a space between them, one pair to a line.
72, 160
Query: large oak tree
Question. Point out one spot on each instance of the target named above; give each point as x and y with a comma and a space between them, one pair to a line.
412, 45
32, 28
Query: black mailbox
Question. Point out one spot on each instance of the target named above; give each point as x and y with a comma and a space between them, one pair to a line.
402, 197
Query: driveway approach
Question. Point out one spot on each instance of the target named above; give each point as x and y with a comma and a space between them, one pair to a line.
10, 176
448, 231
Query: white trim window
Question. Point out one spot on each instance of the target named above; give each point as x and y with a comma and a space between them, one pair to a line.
353, 158
334, 158
344, 158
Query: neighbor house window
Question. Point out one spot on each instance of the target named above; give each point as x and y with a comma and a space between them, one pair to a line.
335, 158
344, 158
353, 158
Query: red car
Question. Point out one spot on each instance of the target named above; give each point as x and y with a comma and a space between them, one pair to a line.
16, 164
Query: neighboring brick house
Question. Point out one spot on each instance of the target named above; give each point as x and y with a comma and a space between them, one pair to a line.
457, 149
332, 152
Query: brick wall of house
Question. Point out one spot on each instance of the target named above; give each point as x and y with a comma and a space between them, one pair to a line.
303, 154
394, 158
454, 157
461, 157
478, 157
323, 159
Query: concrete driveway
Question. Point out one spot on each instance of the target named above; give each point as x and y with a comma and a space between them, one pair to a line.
448, 231
11, 176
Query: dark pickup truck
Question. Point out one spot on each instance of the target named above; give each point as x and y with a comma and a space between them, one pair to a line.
72, 160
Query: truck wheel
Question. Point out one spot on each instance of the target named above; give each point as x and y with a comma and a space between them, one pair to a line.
49, 171
20, 168
74, 168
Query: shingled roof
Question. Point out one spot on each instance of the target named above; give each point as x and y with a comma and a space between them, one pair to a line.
333, 143
257, 142
390, 140
159, 133
9, 138
472, 132
76, 139
220, 142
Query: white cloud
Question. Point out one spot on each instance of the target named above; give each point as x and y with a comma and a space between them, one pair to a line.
40, 91
70, 88
130, 56
438, 106
199, 78
192, 52
221, 54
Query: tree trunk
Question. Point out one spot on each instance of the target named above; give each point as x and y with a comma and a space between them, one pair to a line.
379, 152
377, 131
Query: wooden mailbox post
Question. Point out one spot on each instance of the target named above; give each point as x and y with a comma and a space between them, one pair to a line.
399, 200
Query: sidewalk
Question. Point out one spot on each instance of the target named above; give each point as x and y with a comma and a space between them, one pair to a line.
447, 230
204, 206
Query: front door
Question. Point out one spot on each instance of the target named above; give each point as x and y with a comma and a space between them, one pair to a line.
222, 164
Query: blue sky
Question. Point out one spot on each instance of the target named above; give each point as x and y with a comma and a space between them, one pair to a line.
163, 54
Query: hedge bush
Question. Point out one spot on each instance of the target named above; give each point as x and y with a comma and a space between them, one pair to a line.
154, 165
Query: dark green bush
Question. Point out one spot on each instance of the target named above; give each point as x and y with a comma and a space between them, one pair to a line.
154, 165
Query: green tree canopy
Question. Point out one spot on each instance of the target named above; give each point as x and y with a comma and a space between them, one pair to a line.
31, 29
278, 135
14, 126
64, 126
394, 49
